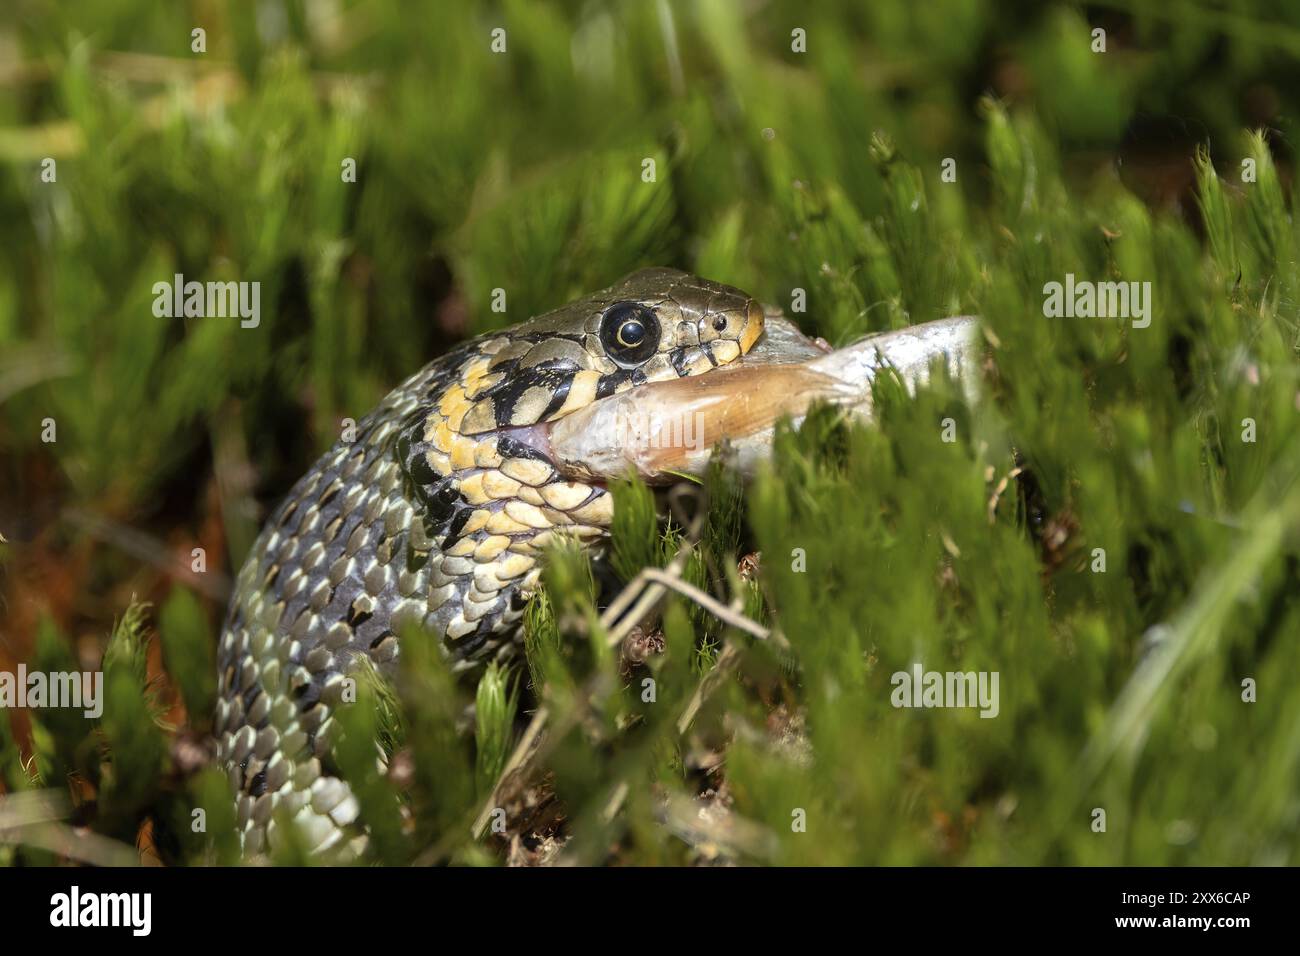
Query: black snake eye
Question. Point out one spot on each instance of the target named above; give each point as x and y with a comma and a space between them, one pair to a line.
629, 332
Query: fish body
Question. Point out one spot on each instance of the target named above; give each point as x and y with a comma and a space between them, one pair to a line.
737, 407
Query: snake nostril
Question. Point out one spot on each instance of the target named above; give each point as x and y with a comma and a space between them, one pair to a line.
720, 323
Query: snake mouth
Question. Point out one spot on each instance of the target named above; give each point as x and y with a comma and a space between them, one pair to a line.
663, 430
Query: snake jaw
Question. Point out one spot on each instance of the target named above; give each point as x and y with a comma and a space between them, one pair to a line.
662, 430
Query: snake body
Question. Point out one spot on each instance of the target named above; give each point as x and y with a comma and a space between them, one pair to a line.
431, 520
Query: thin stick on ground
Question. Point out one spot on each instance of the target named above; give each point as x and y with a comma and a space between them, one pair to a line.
712, 605
641, 602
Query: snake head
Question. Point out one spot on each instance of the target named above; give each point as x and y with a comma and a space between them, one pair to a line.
653, 326
483, 422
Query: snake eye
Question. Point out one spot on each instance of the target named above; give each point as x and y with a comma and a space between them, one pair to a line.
629, 332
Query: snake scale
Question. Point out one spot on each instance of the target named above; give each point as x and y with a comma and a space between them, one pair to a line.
432, 520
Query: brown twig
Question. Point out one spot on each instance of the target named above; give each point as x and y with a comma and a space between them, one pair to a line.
712, 605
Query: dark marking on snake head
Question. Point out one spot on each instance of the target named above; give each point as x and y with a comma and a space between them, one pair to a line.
608, 384
420, 470
558, 396
508, 447
440, 500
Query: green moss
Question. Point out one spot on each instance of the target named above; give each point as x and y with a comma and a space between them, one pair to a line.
816, 181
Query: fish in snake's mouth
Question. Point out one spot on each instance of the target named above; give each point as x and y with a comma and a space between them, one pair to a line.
663, 430
660, 430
